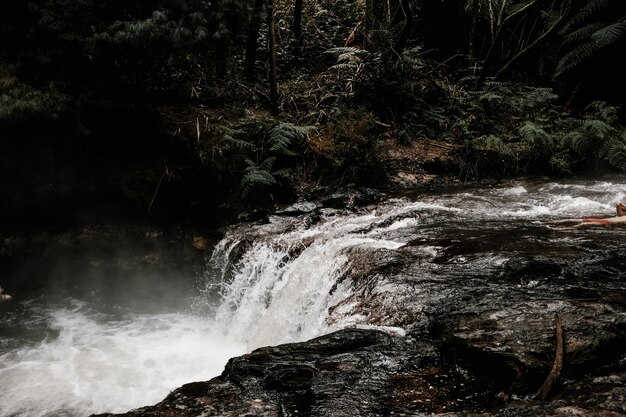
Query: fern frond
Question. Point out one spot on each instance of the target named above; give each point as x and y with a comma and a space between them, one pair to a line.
234, 142
345, 50
494, 144
533, 134
345, 65
560, 163
598, 128
578, 141
491, 97
592, 8
575, 57
282, 173
606, 113
268, 163
255, 177
284, 136
609, 34
583, 33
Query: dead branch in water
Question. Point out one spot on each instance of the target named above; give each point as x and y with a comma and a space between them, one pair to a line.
557, 366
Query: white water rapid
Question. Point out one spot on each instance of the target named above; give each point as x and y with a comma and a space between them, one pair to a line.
265, 284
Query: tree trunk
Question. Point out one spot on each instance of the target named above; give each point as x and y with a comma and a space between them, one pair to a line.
536, 44
472, 32
297, 23
487, 62
221, 54
407, 30
271, 41
252, 41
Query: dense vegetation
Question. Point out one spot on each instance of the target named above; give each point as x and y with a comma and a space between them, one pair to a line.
186, 106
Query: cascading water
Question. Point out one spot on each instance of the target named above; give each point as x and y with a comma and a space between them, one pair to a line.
289, 280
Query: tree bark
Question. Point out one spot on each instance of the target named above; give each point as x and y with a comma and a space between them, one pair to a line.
221, 54
472, 31
297, 23
252, 41
407, 30
271, 42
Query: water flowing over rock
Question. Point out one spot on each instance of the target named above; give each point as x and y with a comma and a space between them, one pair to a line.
429, 304
432, 304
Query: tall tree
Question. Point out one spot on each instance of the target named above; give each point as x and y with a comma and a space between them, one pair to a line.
271, 42
297, 23
252, 40
407, 30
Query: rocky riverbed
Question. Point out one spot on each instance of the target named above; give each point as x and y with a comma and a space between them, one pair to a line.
434, 305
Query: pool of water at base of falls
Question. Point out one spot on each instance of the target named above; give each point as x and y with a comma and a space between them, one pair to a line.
281, 281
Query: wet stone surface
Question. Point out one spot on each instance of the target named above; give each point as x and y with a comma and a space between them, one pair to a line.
457, 319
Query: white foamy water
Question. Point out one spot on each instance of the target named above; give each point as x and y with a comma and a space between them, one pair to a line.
92, 365
274, 300
283, 286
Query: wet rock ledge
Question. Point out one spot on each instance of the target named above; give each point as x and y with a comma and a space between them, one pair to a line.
361, 372
479, 336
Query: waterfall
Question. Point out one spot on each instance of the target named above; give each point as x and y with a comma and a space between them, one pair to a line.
282, 287
287, 280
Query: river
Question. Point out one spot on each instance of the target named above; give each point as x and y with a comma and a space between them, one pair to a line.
125, 341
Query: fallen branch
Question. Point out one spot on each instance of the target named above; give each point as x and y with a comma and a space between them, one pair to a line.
557, 366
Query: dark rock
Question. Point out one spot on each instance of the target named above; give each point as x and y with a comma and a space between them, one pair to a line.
469, 313
297, 209
350, 199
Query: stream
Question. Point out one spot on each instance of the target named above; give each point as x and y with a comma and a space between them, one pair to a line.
433, 284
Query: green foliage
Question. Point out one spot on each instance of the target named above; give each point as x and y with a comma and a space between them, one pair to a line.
597, 26
517, 129
160, 27
347, 139
536, 136
20, 102
284, 137
261, 154
495, 144
257, 176
597, 137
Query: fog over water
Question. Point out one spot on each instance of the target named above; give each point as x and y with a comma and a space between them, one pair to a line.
92, 338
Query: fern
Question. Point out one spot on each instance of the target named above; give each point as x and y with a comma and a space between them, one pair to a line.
582, 33
345, 66
587, 36
491, 97
616, 153
609, 34
256, 176
574, 58
560, 163
605, 112
597, 128
533, 134
591, 9
285, 136
493, 143
268, 163
578, 141
345, 50
231, 140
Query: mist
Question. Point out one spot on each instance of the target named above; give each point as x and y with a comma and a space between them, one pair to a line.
101, 319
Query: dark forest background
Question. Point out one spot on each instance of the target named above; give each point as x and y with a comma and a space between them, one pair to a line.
196, 109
